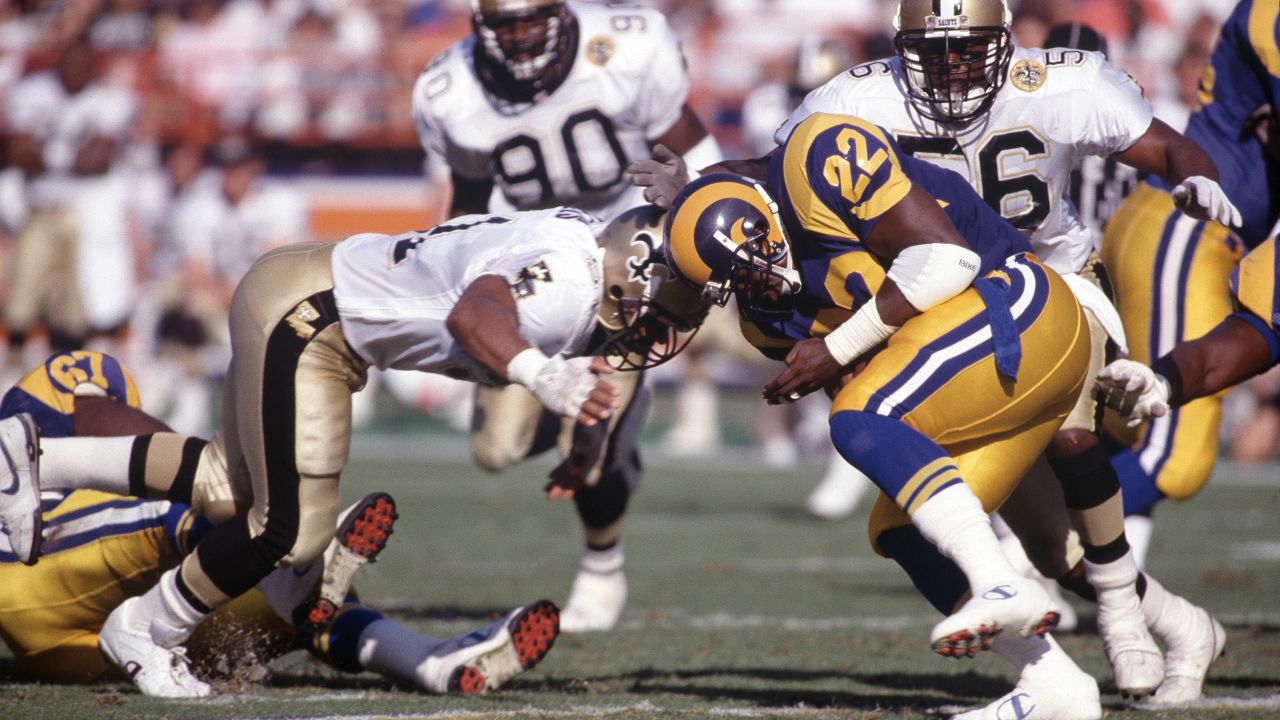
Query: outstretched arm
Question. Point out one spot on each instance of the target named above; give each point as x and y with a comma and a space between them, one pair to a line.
485, 324
1188, 169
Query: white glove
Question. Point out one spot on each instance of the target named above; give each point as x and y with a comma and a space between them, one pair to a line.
1134, 390
1204, 199
562, 386
662, 176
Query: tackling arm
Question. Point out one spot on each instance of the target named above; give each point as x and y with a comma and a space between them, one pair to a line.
485, 324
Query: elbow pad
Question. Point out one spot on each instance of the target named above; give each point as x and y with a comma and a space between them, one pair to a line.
933, 273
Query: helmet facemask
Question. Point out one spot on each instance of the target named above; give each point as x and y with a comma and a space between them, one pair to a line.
526, 51
647, 315
953, 69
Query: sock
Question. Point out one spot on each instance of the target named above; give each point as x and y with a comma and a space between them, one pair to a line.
934, 575
1115, 581
603, 561
1139, 489
93, 463
1138, 529
1156, 601
385, 646
953, 520
172, 617
1092, 494
909, 467
341, 644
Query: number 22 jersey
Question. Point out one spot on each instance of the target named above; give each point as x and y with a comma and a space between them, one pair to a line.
627, 87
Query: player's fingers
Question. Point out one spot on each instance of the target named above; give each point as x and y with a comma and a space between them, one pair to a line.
601, 366
662, 153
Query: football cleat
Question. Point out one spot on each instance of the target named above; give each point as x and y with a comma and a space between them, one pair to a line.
1018, 604
484, 660
1069, 696
595, 601
1188, 654
361, 535
20, 486
125, 640
1135, 657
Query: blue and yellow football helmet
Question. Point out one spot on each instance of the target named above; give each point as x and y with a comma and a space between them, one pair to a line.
49, 391
724, 235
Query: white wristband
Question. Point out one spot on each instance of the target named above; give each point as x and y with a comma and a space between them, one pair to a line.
524, 367
858, 334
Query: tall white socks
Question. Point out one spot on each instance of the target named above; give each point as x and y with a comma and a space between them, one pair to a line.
172, 617
953, 520
92, 463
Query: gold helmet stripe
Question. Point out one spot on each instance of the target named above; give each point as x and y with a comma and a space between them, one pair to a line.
684, 249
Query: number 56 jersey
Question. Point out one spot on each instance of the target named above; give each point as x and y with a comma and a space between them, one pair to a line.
1056, 107
627, 86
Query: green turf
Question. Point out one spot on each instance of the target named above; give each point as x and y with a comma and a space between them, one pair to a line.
740, 604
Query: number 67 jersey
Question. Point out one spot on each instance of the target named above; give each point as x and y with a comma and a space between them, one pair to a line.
1056, 107
626, 87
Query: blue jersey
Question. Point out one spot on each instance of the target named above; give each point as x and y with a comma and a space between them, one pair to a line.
834, 179
48, 392
1243, 75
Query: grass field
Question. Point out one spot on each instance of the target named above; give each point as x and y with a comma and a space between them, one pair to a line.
741, 605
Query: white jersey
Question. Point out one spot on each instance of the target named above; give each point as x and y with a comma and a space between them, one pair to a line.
40, 105
394, 293
626, 88
1056, 107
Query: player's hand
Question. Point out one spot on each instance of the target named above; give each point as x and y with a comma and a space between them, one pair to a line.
1204, 199
662, 176
1133, 390
573, 388
810, 367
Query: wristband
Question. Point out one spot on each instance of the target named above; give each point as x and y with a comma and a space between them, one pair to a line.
1167, 370
524, 367
858, 334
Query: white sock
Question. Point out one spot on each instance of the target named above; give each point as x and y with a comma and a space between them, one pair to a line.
954, 522
93, 463
1114, 581
172, 617
1137, 530
602, 562
387, 647
1156, 601
1034, 656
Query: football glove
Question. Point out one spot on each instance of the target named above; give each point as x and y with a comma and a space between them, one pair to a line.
1204, 199
562, 386
1134, 390
662, 176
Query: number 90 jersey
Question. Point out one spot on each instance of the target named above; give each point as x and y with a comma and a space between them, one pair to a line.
627, 87
1057, 106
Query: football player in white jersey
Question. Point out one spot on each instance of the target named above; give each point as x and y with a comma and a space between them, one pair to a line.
493, 299
547, 103
1014, 122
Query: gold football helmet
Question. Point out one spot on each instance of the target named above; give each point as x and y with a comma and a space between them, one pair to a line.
725, 237
525, 47
955, 53
647, 315
818, 59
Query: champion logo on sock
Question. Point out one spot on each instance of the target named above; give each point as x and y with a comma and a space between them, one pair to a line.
999, 592
1017, 707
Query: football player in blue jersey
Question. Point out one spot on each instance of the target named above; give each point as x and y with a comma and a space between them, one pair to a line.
1171, 272
101, 549
952, 352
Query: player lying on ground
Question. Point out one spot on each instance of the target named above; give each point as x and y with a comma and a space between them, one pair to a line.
492, 299
101, 551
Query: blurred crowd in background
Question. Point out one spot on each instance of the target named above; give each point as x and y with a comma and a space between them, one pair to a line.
193, 135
